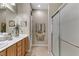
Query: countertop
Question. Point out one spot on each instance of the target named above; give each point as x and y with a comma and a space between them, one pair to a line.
8, 43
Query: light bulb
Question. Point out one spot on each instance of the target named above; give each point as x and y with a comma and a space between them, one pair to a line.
38, 5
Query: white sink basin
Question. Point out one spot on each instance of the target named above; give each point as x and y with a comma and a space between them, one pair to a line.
3, 43
4, 36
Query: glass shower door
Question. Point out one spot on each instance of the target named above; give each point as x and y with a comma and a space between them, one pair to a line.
55, 35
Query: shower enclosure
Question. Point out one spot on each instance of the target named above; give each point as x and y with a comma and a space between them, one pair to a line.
65, 31
55, 35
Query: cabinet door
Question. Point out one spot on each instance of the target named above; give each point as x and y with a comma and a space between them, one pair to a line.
3, 53
11, 51
55, 31
23, 47
19, 51
27, 44
19, 48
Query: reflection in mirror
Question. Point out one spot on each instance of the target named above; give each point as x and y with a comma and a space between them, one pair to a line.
2, 20
10, 6
3, 27
7, 10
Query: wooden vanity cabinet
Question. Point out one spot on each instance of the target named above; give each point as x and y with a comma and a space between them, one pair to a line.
11, 51
3, 53
18, 49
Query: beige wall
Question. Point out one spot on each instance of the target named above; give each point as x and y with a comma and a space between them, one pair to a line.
40, 16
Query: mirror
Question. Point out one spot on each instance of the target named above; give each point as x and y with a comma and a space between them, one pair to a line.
10, 6
7, 12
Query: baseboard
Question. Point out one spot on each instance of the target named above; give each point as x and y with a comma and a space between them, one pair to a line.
50, 53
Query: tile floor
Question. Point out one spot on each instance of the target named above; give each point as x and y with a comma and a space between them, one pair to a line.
39, 51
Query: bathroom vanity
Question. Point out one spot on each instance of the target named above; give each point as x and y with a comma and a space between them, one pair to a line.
18, 46
16, 24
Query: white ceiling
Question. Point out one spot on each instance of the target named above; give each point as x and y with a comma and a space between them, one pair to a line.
43, 6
